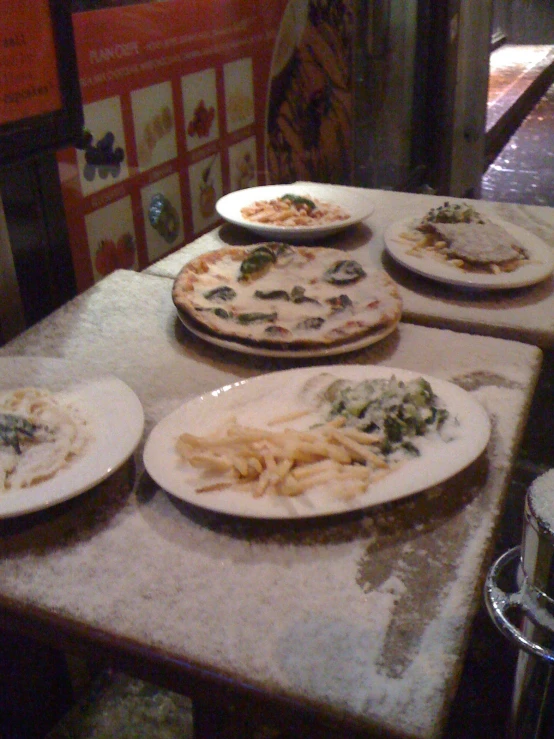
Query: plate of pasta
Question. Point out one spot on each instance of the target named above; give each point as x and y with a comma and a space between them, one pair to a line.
316, 441
63, 430
297, 212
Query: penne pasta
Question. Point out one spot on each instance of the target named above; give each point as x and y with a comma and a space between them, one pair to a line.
293, 210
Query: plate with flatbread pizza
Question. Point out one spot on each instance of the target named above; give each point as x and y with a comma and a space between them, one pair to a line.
456, 244
274, 299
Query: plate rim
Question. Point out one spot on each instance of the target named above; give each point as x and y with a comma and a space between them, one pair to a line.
479, 440
345, 348
468, 280
298, 232
50, 493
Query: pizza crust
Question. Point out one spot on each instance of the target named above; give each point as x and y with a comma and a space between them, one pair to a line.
288, 303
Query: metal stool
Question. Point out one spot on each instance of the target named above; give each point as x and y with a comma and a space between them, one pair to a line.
519, 594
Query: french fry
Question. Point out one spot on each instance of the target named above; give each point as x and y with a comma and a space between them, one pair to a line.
293, 416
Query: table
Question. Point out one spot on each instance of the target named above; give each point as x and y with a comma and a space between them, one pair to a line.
525, 314
360, 621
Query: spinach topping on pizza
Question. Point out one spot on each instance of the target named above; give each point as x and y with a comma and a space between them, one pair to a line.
344, 272
278, 331
221, 313
310, 323
298, 296
221, 294
260, 259
246, 318
271, 295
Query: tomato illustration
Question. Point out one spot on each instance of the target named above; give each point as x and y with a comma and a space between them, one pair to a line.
201, 121
125, 251
105, 259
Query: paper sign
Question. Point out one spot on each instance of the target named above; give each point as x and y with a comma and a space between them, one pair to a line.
29, 81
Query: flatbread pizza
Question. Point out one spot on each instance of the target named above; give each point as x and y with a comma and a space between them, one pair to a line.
275, 295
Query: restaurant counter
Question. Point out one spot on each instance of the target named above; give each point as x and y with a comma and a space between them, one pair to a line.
522, 314
358, 620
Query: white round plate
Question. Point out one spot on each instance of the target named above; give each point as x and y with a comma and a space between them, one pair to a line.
257, 401
260, 351
540, 266
354, 201
115, 419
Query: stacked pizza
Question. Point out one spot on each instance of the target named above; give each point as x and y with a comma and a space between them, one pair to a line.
275, 295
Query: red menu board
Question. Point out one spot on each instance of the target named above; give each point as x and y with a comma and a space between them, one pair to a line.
186, 100
28, 65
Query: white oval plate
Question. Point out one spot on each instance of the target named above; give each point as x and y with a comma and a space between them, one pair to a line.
260, 351
115, 418
354, 201
257, 401
540, 266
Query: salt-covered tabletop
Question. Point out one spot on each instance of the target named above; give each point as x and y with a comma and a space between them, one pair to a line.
363, 618
523, 314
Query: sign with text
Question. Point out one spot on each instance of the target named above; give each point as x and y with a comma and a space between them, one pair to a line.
185, 101
28, 67
39, 96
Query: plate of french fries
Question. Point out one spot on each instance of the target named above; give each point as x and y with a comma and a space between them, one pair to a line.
316, 441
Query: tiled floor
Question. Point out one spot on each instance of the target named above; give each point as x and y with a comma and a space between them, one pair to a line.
518, 76
511, 68
523, 170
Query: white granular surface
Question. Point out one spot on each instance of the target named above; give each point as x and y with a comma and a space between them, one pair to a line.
365, 618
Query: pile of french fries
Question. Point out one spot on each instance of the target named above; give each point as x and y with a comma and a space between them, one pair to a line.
287, 462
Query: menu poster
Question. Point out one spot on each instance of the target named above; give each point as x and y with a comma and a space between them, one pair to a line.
186, 100
40, 106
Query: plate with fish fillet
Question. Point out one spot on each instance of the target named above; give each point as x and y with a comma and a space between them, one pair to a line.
456, 244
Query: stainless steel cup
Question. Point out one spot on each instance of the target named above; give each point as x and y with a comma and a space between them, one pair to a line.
519, 594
